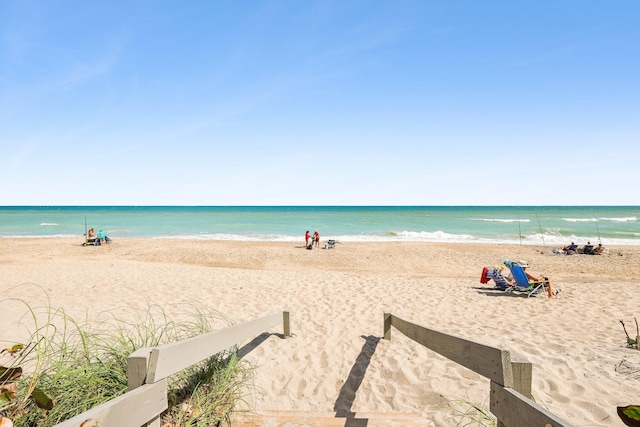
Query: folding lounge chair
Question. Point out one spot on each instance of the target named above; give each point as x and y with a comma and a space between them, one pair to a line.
497, 277
523, 284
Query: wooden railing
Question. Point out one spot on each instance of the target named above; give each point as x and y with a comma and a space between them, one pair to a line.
148, 369
509, 373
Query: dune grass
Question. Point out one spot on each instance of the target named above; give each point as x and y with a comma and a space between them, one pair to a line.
81, 365
469, 414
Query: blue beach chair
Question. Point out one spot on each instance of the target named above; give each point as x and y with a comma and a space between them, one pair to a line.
522, 282
497, 277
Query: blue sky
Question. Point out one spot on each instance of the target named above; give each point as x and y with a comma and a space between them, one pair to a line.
319, 103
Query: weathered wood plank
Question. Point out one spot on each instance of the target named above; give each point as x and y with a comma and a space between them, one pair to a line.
387, 326
174, 357
522, 374
490, 362
137, 365
515, 410
133, 408
266, 418
286, 324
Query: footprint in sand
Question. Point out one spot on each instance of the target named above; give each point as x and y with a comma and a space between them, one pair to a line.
554, 393
324, 359
593, 408
302, 386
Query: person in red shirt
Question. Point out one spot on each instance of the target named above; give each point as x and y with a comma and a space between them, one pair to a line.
306, 239
316, 238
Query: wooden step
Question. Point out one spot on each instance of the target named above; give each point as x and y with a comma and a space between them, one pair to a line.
269, 418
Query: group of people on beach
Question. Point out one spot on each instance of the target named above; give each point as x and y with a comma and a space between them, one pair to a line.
587, 249
98, 239
311, 241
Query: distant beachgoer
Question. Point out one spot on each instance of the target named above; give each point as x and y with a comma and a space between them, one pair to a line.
101, 236
599, 250
571, 249
307, 236
316, 238
91, 233
586, 249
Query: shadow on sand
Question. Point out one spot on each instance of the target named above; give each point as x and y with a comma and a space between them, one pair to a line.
347, 395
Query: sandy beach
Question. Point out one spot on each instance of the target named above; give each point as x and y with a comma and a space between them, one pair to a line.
582, 369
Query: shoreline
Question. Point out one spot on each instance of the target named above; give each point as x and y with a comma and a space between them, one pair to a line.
337, 298
549, 244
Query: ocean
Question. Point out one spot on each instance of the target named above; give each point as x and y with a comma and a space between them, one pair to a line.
530, 225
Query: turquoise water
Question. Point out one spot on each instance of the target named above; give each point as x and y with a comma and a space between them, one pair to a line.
616, 225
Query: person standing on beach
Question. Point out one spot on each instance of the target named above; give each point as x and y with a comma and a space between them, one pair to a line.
316, 238
306, 239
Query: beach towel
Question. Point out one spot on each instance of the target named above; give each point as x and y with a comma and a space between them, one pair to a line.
484, 279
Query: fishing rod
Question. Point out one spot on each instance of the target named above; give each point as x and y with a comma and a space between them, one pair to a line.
519, 228
541, 233
597, 228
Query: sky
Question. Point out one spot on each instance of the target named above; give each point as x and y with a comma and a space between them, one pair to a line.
319, 102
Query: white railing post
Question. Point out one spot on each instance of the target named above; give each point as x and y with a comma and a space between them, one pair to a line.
137, 367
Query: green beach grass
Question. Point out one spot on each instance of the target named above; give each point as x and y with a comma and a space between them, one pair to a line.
67, 367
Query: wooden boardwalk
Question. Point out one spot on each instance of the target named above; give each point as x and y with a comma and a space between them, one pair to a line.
328, 419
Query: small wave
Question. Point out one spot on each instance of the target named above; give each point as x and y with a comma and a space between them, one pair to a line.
627, 233
623, 219
580, 219
48, 224
436, 236
501, 220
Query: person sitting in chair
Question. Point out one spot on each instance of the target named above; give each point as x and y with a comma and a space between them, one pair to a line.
571, 249
587, 249
537, 279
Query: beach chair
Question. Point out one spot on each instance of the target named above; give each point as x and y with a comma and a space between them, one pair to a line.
90, 239
587, 249
522, 282
330, 244
498, 279
599, 250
